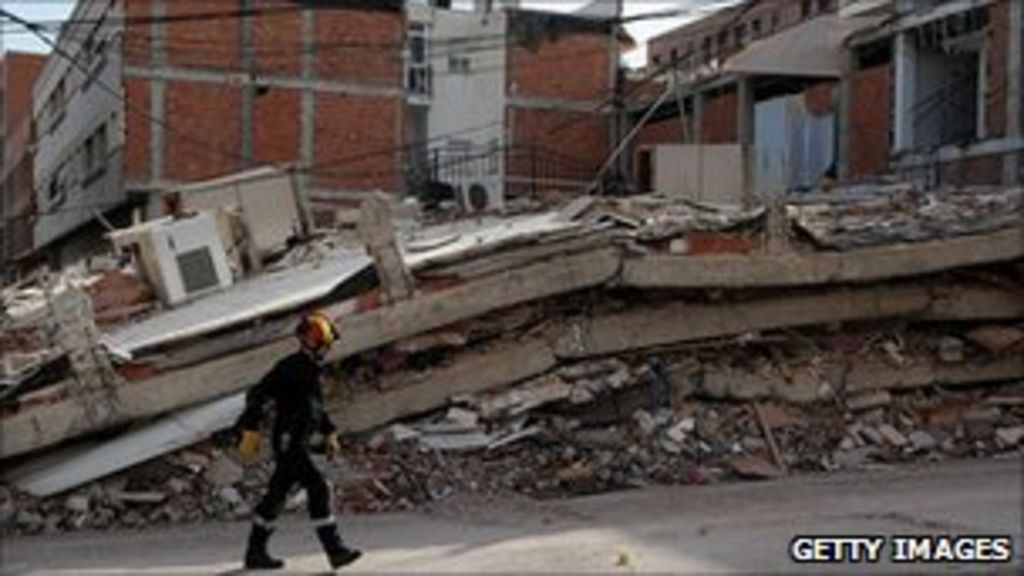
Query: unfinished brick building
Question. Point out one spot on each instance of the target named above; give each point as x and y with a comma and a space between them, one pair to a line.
165, 92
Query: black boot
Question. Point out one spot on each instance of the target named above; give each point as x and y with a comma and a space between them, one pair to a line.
256, 556
337, 553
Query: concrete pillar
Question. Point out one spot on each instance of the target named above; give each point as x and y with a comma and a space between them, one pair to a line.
698, 117
249, 87
905, 81
307, 103
1015, 92
157, 91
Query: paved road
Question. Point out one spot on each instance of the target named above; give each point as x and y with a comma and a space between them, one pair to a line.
723, 528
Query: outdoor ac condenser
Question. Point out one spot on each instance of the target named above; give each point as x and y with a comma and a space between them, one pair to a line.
183, 257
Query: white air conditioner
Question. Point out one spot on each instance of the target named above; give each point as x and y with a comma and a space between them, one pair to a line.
482, 196
183, 257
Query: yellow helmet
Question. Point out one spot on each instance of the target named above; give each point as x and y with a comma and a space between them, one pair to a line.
319, 328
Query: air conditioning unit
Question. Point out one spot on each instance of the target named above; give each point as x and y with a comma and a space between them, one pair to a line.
482, 196
183, 257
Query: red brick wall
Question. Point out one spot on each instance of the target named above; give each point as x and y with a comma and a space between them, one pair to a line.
666, 131
719, 119
135, 42
277, 37
570, 145
999, 51
572, 67
359, 46
137, 130
276, 126
204, 43
869, 122
206, 138
19, 75
356, 142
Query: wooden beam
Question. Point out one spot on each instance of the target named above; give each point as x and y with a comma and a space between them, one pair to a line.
793, 269
472, 372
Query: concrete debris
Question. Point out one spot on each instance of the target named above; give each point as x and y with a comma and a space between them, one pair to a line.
951, 350
1010, 437
892, 435
869, 400
223, 472
754, 467
922, 441
996, 339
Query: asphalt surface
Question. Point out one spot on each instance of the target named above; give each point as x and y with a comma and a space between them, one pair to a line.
726, 528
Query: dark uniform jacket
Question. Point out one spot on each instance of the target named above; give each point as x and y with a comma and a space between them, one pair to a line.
294, 386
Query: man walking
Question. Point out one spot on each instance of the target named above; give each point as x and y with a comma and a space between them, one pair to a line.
294, 388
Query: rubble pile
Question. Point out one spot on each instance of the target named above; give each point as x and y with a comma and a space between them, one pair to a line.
607, 424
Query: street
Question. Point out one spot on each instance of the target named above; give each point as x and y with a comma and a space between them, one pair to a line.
726, 528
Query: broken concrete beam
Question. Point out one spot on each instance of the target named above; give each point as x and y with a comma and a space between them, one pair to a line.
863, 265
472, 372
430, 311
528, 396
47, 425
873, 374
678, 322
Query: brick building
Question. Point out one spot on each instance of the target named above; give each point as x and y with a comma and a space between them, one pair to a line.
18, 73
340, 90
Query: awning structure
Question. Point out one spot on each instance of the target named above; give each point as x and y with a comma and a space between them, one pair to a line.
812, 49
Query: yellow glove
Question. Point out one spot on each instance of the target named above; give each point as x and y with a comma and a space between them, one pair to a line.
249, 445
332, 447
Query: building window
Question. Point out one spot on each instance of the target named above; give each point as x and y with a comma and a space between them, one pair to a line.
723, 40
824, 6
95, 157
675, 57
53, 110
755, 28
805, 9
459, 64
706, 49
775, 20
418, 74
739, 35
656, 59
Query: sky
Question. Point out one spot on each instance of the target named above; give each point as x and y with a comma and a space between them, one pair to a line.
50, 10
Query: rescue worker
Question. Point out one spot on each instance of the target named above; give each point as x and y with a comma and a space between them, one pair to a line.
294, 388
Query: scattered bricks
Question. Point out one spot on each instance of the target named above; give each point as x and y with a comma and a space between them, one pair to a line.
1009, 437
893, 436
230, 496
178, 485
951, 350
996, 339
465, 419
868, 400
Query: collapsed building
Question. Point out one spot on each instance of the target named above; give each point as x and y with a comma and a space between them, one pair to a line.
608, 343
